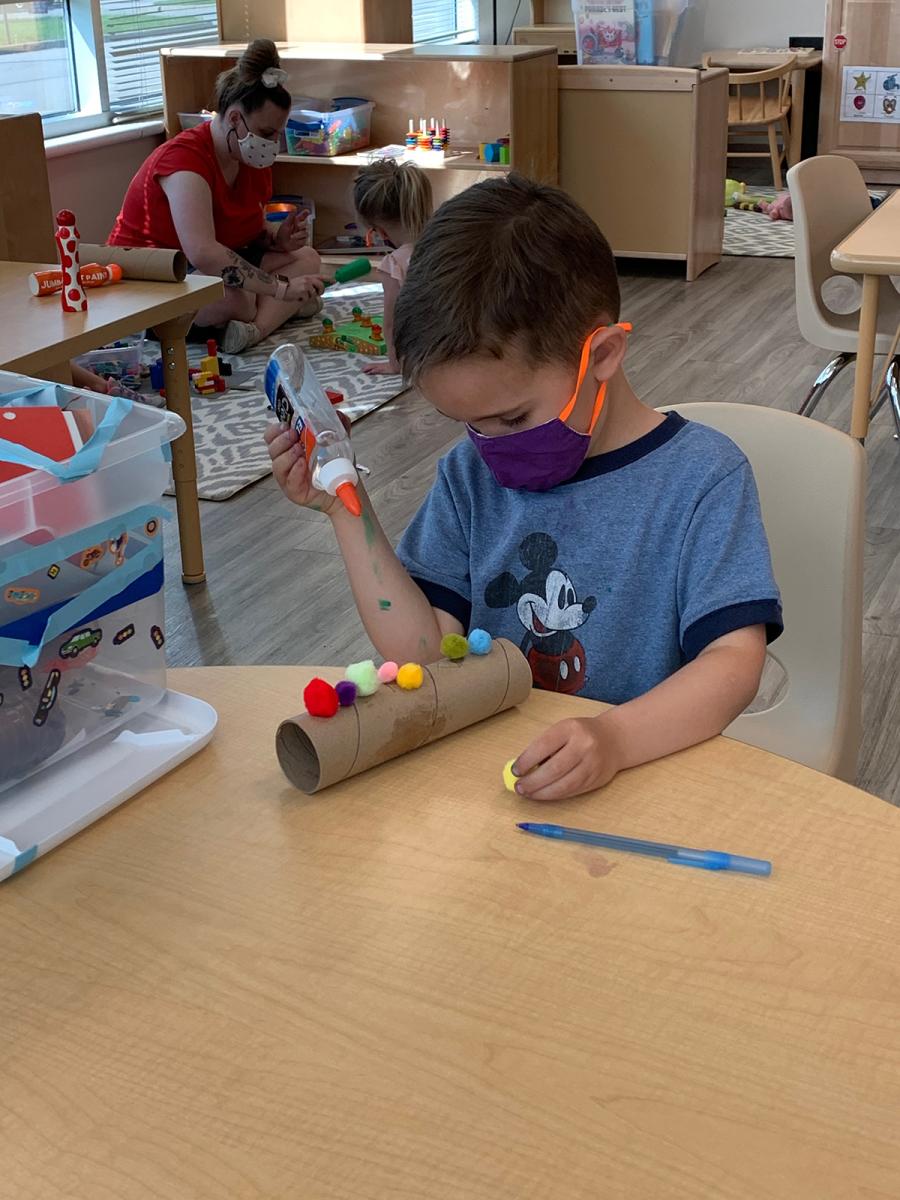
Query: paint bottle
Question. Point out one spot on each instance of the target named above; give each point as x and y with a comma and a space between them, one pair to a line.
297, 399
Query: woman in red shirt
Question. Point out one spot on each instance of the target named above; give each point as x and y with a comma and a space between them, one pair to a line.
203, 192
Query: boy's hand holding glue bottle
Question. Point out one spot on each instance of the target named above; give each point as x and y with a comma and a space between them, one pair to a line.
320, 470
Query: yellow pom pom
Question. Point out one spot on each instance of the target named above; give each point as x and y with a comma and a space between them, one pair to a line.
509, 780
410, 676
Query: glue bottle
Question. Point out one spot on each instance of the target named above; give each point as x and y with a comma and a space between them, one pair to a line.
297, 398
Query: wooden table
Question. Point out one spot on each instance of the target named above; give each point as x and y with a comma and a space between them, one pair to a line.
38, 338
871, 250
229, 989
765, 60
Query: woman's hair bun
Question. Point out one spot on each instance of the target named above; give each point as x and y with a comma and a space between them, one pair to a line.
257, 58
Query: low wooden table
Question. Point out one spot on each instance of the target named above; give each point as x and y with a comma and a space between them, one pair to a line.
871, 250
38, 338
764, 60
229, 989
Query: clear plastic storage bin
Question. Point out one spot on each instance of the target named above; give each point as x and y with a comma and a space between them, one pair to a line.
642, 32
122, 359
325, 129
81, 575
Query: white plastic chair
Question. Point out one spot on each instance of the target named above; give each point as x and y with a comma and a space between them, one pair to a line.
830, 199
811, 481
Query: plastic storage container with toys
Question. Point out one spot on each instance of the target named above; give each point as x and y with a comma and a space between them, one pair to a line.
323, 128
81, 611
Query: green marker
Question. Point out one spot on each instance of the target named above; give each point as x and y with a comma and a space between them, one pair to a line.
352, 270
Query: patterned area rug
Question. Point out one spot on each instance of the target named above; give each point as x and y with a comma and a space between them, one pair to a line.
754, 235
228, 427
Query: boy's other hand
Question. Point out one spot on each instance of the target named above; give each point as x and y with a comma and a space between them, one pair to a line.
571, 757
291, 470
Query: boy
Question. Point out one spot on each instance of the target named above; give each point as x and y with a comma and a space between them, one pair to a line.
621, 547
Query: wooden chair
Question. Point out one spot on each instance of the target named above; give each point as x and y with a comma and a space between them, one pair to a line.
752, 106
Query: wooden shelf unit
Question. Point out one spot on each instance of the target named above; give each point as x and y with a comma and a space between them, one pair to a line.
642, 149
483, 92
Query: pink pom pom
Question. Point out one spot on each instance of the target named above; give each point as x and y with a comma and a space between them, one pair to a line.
387, 672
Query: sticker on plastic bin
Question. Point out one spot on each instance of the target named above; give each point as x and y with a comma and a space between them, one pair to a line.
157, 637
22, 595
122, 635
84, 639
48, 698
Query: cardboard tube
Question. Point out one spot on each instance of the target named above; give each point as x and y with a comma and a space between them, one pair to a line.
315, 752
140, 262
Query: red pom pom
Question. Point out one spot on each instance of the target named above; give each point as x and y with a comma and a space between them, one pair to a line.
65, 216
320, 698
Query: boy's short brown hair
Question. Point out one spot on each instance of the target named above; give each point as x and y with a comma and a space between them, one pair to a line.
508, 263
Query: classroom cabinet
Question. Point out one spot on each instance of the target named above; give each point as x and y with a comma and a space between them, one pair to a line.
860, 114
483, 92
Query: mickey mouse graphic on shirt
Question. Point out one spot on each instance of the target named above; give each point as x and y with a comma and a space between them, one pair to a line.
548, 607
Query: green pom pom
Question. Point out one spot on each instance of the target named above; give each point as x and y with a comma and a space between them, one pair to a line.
454, 646
365, 676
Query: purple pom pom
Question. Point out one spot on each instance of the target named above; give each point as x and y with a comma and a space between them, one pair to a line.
346, 693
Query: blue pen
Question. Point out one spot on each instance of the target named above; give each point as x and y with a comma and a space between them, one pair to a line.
681, 856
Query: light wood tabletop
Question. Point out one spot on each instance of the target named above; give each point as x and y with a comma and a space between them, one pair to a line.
808, 59
871, 250
227, 989
38, 338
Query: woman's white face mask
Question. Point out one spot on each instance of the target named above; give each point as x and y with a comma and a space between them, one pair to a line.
256, 151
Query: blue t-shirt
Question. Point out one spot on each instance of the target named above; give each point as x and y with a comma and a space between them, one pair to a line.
613, 580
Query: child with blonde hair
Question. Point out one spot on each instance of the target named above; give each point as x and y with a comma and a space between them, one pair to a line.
394, 201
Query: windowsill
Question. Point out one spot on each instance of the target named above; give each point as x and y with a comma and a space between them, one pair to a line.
108, 135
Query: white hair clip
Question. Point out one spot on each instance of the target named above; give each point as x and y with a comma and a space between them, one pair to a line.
273, 76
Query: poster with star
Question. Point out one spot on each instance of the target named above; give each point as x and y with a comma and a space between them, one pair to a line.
871, 94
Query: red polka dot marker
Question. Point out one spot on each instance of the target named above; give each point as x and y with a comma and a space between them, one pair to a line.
73, 296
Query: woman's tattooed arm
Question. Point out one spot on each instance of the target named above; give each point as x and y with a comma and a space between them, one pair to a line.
239, 272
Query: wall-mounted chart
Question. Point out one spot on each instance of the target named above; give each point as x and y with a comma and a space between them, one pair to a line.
871, 94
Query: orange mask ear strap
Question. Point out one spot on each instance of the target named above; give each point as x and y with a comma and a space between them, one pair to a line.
582, 372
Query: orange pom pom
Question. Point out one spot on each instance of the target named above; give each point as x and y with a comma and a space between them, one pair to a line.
320, 698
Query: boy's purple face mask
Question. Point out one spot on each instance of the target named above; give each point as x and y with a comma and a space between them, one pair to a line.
535, 460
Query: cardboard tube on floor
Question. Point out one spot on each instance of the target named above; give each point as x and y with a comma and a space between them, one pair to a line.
315, 752
139, 262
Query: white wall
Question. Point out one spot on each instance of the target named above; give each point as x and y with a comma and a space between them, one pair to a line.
744, 23
729, 23
93, 182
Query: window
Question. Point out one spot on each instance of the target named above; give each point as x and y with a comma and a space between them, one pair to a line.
84, 63
445, 20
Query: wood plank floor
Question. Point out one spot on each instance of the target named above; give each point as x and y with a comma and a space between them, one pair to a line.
276, 592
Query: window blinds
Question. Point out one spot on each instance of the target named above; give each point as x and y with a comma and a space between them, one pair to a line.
133, 32
436, 20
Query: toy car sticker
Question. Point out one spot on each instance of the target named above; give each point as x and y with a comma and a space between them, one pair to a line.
25, 680
91, 557
84, 639
54, 571
157, 636
48, 698
22, 595
123, 635
152, 527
